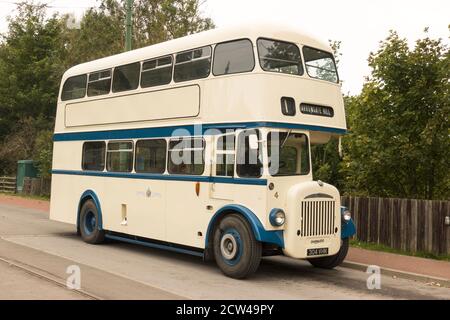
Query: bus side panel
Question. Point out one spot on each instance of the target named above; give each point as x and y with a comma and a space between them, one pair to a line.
157, 105
65, 197
186, 212
65, 192
133, 206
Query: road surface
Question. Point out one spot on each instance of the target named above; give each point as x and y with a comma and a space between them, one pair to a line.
36, 252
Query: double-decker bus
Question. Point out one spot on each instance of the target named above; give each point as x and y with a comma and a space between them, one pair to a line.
201, 145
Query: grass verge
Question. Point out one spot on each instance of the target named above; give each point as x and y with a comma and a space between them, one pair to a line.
381, 247
45, 198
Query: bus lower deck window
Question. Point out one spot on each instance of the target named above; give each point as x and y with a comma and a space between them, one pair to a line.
93, 157
151, 156
249, 161
120, 156
288, 153
186, 156
225, 156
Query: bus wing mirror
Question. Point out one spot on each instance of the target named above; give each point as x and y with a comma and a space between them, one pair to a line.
253, 141
341, 152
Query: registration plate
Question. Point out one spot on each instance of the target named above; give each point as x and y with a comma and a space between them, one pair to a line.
316, 252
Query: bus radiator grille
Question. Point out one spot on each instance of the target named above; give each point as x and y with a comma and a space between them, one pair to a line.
317, 218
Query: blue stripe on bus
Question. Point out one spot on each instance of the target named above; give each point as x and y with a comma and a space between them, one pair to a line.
184, 130
208, 179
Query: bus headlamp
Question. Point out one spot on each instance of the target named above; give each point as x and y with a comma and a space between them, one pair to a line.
277, 217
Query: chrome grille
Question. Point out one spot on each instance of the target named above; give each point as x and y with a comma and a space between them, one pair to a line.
317, 218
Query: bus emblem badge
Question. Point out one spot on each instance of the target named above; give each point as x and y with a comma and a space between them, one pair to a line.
148, 193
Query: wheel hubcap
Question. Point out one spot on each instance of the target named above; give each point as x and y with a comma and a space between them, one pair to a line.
90, 222
228, 246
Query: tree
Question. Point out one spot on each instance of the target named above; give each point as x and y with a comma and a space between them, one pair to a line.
399, 143
30, 67
100, 34
102, 30
21, 143
325, 158
43, 150
37, 49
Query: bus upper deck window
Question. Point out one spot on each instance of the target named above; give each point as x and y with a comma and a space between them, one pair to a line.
193, 64
279, 56
126, 77
74, 88
99, 83
320, 64
156, 72
233, 57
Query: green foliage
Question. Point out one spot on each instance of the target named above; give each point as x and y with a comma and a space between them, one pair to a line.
102, 31
327, 163
19, 144
325, 158
37, 49
399, 143
30, 67
43, 153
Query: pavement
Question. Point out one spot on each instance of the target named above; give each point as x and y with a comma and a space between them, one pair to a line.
36, 252
421, 269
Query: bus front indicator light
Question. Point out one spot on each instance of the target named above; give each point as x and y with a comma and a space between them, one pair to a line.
277, 217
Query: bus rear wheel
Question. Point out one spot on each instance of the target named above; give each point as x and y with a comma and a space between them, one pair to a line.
236, 251
331, 262
89, 224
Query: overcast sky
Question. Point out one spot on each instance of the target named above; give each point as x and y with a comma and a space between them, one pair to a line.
359, 24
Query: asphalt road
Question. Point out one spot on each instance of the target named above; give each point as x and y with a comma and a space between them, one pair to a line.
35, 254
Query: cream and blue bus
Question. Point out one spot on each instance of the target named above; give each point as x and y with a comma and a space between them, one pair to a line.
201, 145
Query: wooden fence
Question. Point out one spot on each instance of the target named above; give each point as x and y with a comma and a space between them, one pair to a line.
8, 184
406, 224
36, 186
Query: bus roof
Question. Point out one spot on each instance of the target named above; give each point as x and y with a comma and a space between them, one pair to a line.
200, 39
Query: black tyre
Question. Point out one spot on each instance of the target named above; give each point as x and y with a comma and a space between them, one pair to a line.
89, 224
331, 262
236, 251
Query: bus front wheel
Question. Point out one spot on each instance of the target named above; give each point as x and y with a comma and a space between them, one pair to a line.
236, 251
333, 261
89, 224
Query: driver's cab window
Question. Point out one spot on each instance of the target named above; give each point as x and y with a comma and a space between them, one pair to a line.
288, 153
249, 162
